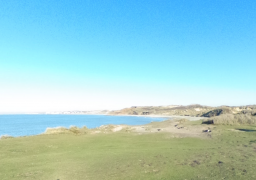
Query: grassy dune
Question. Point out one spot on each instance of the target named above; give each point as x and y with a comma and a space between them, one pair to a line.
230, 153
232, 119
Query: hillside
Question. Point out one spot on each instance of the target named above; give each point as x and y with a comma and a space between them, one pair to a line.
190, 110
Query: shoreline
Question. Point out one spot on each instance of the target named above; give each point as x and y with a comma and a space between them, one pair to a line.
174, 117
190, 118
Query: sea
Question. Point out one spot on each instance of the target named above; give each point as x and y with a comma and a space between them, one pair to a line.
34, 124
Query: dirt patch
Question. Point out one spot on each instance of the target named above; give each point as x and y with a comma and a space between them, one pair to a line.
178, 129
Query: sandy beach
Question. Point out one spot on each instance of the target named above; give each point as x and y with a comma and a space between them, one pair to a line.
175, 117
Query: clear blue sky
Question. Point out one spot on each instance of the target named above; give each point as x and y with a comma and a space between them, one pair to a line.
95, 54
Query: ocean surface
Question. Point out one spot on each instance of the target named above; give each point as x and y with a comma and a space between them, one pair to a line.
25, 125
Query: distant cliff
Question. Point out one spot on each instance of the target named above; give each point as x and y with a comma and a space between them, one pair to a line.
101, 112
190, 110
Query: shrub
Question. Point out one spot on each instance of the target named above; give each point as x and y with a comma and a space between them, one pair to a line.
217, 112
5, 137
74, 130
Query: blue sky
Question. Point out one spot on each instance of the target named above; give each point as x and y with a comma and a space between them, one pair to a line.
84, 55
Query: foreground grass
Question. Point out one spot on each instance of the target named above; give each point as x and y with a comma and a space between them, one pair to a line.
227, 155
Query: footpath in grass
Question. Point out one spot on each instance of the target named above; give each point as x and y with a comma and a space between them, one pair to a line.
230, 153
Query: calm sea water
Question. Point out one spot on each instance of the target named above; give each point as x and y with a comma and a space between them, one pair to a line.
24, 125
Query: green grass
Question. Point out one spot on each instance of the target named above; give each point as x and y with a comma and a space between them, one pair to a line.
227, 155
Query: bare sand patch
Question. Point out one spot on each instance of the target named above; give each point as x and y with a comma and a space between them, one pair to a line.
118, 128
177, 128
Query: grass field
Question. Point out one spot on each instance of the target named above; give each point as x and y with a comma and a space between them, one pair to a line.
230, 153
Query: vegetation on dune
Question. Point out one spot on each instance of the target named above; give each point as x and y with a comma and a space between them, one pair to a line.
5, 137
71, 130
190, 110
217, 115
226, 117
217, 112
231, 119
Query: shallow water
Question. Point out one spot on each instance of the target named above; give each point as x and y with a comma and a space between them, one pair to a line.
25, 125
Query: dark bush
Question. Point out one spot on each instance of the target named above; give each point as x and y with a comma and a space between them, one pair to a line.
216, 112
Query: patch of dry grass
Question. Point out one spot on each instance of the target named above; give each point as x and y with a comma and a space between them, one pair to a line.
63, 130
234, 119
